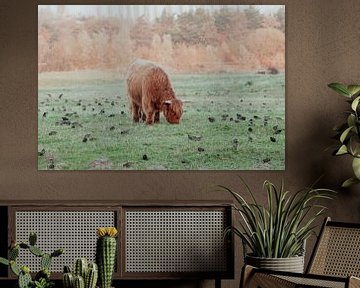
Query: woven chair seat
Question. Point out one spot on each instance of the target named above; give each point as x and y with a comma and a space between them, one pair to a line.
314, 282
335, 262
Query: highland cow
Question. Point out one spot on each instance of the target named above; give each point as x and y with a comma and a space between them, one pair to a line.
150, 92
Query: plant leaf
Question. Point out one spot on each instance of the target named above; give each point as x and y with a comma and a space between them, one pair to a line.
349, 182
279, 228
345, 134
355, 103
353, 89
340, 127
351, 120
354, 145
4, 261
342, 150
340, 88
14, 268
356, 167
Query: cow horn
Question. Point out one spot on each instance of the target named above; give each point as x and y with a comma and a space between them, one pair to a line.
167, 102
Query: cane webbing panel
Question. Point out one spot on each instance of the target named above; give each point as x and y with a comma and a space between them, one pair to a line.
75, 231
175, 241
313, 282
268, 281
338, 252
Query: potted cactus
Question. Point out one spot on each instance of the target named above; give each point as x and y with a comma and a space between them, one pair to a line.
84, 275
42, 278
106, 254
348, 132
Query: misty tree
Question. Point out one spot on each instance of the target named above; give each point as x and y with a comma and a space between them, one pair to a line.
195, 28
204, 23
142, 32
254, 17
223, 20
165, 23
200, 39
280, 16
185, 29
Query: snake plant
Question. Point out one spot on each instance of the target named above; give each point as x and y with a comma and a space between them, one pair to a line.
279, 228
348, 132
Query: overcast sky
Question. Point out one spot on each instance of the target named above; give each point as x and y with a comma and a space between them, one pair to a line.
138, 10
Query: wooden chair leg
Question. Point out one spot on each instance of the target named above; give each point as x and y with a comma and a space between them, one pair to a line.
246, 273
217, 283
251, 279
354, 282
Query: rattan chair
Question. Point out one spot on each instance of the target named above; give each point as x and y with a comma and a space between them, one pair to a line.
334, 263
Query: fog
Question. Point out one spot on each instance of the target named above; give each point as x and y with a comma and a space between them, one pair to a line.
150, 11
187, 38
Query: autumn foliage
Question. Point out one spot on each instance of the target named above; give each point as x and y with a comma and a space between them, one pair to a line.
193, 41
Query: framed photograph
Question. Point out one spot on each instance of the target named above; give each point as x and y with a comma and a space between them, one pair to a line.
161, 87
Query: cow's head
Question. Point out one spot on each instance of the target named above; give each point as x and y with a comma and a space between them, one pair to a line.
173, 110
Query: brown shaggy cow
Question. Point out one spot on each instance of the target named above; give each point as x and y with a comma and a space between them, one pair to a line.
150, 92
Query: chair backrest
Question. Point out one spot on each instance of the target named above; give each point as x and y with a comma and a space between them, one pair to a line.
337, 251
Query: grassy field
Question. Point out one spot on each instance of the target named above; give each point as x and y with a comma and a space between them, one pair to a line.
230, 121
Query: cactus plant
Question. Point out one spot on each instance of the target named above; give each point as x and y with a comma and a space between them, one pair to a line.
42, 278
79, 282
105, 254
84, 274
80, 267
91, 276
68, 280
57, 253
4, 261
24, 277
13, 253
67, 269
24, 245
36, 251
14, 268
32, 239
43, 274
45, 261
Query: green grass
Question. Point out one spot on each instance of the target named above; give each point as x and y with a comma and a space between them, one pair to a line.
116, 142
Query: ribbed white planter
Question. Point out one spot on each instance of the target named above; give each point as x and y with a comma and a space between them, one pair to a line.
291, 264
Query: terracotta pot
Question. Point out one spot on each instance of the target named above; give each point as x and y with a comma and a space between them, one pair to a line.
291, 264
